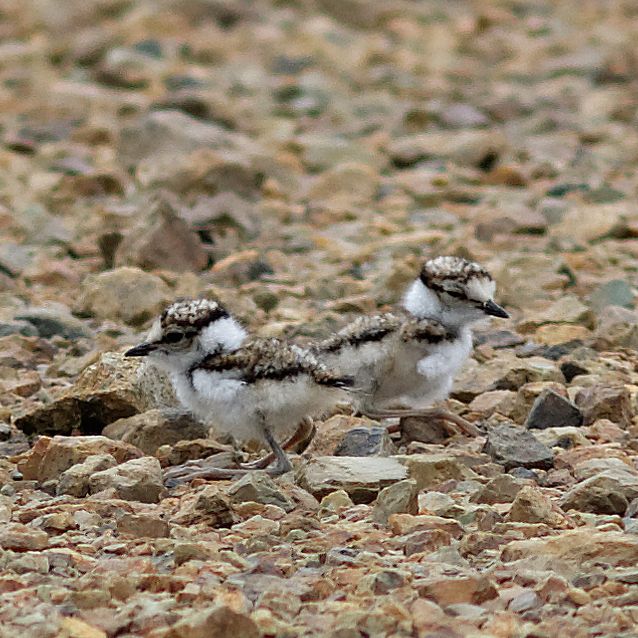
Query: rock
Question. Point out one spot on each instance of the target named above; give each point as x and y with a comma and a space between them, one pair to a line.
333, 430
514, 447
399, 498
164, 241
49, 457
450, 590
586, 223
430, 470
616, 292
260, 488
407, 523
503, 402
184, 451
137, 480
464, 147
354, 183
218, 622
152, 429
566, 309
211, 507
424, 430
616, 327
53, 321
373, 441
336, 500
171, 132
574, 552
142, 525
611, 402
113, 388
126, 294
361, 478
500, 489
532, 506
75, 480
76, 628
552, 410
21, 538
426, 541
608, 492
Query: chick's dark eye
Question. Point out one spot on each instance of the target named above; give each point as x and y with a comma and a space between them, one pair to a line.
456, 294
173, 337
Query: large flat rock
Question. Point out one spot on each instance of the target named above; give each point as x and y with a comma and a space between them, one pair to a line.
361, 477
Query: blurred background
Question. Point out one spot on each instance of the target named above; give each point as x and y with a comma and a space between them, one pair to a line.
299, 159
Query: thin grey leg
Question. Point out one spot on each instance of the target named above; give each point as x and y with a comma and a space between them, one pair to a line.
283, 463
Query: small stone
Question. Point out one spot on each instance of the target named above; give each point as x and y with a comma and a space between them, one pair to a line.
150, 430
211, 507
373, 441
513, 447
430, 470
218, 622
126, 294
616, 327
75, 480
76, 628
605, 402
164, 241
532, 506
500, 489
259, 488
361, 478
616, 292
137, 480
21, 538
426, 541
407, 523
399, 498
552, 410
574, 552
143, 525
114, 387
53, 321
49, 457
336, 500
450, 590
608, 492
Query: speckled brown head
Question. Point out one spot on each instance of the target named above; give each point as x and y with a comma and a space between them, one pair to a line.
189, 325
456, 281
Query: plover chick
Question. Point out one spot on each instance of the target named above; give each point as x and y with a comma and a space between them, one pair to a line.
404, 362
260, 389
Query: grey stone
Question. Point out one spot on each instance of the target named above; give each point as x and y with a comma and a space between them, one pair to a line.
398, 498
136, 480
260, 488
552, 410
608, 492
513, 447
500, 489
374, 441
75, 480
125, 294
616, 292
361, 478
150, 430
54, 321
605, 401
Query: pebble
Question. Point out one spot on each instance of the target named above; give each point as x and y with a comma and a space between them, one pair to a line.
514, 447
136, 480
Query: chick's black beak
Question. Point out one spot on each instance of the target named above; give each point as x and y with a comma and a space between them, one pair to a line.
141, 350
491, 308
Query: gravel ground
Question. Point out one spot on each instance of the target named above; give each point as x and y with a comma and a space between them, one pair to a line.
298, 160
